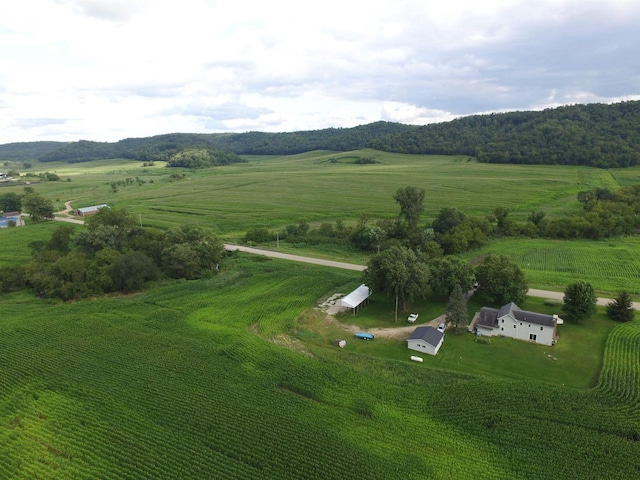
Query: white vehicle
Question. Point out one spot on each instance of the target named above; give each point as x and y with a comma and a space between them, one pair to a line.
412, 318
441, 327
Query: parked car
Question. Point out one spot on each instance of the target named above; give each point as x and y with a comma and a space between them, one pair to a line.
412, 318
441, 327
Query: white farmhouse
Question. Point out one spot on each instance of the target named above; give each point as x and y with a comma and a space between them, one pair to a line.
511, 321
426, 339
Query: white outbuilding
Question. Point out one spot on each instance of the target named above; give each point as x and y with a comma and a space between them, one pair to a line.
426, 339
356, 299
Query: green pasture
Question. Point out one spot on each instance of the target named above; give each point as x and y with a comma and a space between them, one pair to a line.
319, 186
609, 265
206, 379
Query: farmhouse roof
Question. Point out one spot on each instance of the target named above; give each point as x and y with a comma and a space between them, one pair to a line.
356, 297
427, 334
489, 316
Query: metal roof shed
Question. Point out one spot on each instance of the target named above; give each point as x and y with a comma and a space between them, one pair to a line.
356, 298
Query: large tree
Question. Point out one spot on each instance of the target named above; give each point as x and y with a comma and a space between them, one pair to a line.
579, 301
447, 219
457, 315
10, 202
448, 272
191, 252
621, 308
399, 273
500, 280
411, 201
38, 207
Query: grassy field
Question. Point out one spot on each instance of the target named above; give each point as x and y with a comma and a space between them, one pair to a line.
201, 380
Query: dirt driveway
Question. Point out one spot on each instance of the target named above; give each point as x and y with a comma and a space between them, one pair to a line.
331, 307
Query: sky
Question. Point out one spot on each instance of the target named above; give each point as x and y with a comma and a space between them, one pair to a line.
105, 70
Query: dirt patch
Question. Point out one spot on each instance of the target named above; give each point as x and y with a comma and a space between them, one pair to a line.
291, 343
331, 306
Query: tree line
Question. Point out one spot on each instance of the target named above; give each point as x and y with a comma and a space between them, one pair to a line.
112, 254
223, 148
596, 135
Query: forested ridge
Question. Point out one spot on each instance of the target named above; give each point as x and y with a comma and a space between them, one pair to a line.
597, 135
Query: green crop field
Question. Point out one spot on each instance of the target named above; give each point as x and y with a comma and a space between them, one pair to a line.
610, 266
319, 186
207, 379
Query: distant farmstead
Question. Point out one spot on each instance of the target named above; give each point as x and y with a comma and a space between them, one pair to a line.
86, 211
511, 321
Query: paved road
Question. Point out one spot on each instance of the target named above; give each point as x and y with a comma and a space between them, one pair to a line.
533, 292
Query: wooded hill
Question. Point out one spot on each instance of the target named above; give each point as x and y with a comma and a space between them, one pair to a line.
596, 135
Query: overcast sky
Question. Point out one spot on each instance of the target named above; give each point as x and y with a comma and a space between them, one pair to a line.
111, 69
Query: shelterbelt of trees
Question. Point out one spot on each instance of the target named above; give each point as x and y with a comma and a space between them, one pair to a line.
112, 255
597, 135
606, 213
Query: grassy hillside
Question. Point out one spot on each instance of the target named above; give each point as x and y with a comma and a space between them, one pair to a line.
201, 380
321, 186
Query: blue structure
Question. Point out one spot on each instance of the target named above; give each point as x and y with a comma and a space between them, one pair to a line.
365, 336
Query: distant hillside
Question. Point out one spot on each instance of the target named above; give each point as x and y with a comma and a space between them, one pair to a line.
27, 150
596, 135
165, 147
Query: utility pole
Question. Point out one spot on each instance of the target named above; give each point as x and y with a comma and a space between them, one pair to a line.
396, 307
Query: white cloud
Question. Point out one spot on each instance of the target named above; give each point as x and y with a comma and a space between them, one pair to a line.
108, 69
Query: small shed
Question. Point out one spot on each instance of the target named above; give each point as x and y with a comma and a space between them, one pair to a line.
426, 339
356, 299
11, 219
86, 211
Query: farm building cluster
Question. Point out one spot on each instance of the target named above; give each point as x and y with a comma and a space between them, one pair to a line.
508, 321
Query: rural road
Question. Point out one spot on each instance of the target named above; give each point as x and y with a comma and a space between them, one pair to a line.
533, 292
294, 258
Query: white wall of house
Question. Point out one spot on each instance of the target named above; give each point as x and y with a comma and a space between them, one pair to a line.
424, 347
486, 331
533, 332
